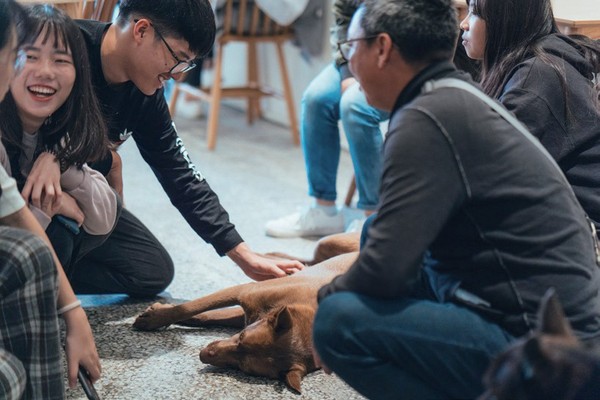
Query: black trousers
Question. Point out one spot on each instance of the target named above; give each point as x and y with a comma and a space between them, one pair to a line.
130, 261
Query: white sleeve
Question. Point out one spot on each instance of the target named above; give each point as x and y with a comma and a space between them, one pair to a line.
10, 199
94, 196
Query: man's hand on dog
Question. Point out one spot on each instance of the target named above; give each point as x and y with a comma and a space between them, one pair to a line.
259, 267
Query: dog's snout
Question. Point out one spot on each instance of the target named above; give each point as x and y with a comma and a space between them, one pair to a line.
206, 354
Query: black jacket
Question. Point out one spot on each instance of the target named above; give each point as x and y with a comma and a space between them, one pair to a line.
490, 205
128, 112
571, 133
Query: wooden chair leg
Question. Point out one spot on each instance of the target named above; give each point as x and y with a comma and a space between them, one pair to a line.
88, 8
173, 100
215, 101
350, 192
253, 102
287, 91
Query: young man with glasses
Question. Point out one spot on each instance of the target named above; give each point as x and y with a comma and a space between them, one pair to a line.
335, 96
153, 41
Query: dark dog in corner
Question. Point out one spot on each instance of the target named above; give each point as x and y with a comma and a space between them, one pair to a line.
550, 364
277, 316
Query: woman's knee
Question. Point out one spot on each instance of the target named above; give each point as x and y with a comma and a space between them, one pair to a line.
321, 100
317, 102
356, 111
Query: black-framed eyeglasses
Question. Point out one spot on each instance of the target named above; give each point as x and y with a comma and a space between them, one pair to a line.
346, 47
182, 65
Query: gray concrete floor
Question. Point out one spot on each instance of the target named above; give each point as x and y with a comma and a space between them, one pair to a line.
259, 175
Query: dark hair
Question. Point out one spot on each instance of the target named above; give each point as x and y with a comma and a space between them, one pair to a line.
514, 30
11, 16
76, 132
423, 30
190, 20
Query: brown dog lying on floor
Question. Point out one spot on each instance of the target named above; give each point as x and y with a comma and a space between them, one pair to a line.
277, 314
550, 364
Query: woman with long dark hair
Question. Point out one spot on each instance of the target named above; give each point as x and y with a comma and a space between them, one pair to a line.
51, 126
33, 286
546, 79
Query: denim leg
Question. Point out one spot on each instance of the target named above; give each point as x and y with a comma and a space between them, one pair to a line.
409, 348
364, 233
320, 133
361, 126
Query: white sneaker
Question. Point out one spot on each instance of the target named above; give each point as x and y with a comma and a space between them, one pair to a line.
310, 222
189, 109
356, 225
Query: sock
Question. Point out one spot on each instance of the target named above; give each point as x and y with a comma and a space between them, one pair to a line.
329, 210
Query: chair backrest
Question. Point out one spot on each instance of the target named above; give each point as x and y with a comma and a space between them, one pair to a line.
73, 8
100, 10
239, 19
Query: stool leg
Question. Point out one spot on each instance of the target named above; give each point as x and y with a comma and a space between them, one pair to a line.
173, 100
287, 92
215, 101
350, 192
253, 102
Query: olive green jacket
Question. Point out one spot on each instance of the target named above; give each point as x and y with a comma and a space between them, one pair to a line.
342, 12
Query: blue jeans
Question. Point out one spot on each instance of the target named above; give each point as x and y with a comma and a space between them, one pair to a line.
410, 348
323, 105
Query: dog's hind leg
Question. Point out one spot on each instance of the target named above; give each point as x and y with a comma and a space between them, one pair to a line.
327, 247
334, 245
232, 317
158, 316
274, 255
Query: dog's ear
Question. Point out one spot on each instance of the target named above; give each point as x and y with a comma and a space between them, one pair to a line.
282, 320
533, 355
552, 318
294, 376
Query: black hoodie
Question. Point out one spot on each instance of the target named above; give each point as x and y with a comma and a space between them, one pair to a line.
533, 92
128, 112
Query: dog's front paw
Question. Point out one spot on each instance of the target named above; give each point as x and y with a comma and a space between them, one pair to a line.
153, 318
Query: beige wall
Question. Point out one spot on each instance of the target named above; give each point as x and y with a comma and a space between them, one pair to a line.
578, 10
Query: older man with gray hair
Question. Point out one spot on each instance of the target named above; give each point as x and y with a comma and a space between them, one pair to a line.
476, 221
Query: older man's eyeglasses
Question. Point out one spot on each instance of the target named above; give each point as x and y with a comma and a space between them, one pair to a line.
182, 65
347, 47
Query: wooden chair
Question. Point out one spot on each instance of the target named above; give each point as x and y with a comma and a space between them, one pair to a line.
73, 8
244, 22
350, 192
99, 10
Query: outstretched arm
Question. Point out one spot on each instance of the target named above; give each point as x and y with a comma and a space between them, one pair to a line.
259, 267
